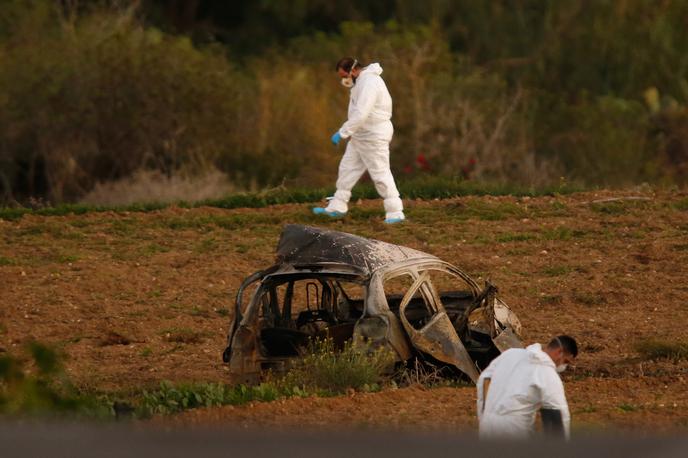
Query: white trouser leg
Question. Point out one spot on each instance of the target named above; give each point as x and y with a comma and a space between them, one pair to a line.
351, 168
375, 155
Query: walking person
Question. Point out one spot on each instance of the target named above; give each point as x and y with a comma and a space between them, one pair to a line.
519, 383
369, 130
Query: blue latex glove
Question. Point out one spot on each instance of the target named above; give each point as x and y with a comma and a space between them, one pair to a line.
336, 138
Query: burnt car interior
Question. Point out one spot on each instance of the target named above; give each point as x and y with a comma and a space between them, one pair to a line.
294, 310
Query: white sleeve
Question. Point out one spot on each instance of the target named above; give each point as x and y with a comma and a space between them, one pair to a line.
364, 105
486, 374
553, 397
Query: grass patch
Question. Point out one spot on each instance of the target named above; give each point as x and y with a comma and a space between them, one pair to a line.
587, 409
222, 311
66, 258
681, 204
7, 261
183, 335
551, 299
487, 211
170, 398
426, 188
628, 407
618, 207
515, 237
587, 298
206, 246
152, 249
555, 271
661, 349
562, 233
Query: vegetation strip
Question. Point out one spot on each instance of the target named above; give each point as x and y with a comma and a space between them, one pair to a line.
435, 188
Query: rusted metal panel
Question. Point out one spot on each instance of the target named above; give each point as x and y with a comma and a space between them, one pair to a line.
507, 339
439, 339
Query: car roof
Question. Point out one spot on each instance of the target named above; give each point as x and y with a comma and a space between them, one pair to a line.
307, 245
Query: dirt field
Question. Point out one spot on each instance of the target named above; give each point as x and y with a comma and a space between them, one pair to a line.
136, 298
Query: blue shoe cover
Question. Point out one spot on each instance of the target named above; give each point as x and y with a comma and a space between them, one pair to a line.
394, 220
324, 211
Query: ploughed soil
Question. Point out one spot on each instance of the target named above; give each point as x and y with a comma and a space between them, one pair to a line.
131, 299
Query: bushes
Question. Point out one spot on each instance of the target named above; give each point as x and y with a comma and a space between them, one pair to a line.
48, 391
94, 95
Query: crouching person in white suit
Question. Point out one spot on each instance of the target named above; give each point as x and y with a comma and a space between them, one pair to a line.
369, 128
519, 383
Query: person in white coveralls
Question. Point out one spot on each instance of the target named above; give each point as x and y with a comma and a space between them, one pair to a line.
519, 383
369, 130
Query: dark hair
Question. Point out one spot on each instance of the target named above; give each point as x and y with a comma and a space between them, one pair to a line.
567, 343
347, 64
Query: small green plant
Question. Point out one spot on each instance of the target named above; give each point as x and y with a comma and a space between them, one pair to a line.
7, 261
356, 366
146, 352
661, 349
588, 409
628, 407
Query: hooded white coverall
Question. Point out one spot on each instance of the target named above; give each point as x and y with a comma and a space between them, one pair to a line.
523, 381
370, 127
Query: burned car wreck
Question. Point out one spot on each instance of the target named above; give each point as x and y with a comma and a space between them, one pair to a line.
334, 284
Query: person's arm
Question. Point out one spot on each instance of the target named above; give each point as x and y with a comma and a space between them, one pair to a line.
483, 386
364, 105
556, 419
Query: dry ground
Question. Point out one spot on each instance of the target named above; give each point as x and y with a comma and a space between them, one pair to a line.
135, 298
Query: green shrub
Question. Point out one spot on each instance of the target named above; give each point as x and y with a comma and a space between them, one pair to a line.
326, 370
48, 392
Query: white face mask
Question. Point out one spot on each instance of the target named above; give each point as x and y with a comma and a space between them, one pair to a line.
348, 81
561, 368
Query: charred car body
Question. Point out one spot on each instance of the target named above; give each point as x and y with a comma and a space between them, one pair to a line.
334, 284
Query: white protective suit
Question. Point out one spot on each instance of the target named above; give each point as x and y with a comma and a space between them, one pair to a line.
370, 128
522, 381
